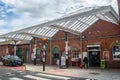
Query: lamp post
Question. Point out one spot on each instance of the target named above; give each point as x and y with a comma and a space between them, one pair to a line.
44, 52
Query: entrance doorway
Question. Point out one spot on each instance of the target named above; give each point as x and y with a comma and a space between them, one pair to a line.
94, 58
94, 55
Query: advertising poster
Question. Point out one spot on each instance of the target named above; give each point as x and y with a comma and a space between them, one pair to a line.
106, 55
85, 54
63, 61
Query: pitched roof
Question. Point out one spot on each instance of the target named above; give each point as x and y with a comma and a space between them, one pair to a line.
75, 23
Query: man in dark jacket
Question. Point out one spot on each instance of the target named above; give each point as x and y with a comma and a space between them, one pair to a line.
85, 60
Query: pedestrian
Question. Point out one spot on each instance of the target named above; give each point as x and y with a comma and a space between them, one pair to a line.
32, 56
34, 59
85, 62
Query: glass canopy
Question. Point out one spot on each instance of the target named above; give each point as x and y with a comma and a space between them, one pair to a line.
74, 23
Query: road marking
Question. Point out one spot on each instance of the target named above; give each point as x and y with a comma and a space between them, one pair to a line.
53, 76
34, 77
15, 78
8, 73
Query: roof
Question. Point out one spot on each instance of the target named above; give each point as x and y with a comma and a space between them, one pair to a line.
12, 42
75, 23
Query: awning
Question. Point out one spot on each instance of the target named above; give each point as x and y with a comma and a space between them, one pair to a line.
74, 23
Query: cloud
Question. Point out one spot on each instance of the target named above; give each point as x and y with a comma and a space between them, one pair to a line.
23, 22
41, 8
32, 12
3, 31
51, 8
2, 23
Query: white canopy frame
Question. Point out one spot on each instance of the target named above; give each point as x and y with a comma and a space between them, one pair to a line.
74, 23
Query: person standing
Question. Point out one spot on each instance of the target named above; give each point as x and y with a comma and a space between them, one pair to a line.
85, 60
34, 59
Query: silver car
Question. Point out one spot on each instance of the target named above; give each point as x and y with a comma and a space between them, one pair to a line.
12, 60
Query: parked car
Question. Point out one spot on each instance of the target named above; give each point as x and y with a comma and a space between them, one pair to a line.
12, 60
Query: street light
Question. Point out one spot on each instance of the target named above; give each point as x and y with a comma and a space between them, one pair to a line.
44, 52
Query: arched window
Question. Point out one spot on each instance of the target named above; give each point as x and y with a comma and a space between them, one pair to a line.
56, 53
37, 54
74, 52
116, 52
27, 55
20, 53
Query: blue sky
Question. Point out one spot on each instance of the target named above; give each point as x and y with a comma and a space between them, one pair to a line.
18, 14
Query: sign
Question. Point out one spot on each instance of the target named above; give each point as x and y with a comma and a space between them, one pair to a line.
63, 61
43, 59
43, 56
84, 54
44, 47
105, 55
32, 56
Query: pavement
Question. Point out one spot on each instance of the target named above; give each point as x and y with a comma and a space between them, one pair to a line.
91, 73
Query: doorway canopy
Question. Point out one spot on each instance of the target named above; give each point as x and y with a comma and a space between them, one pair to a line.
75, 23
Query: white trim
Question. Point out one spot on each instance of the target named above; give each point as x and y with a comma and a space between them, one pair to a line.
93, 45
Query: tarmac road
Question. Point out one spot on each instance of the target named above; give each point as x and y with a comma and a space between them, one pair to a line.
35, 72
8, 74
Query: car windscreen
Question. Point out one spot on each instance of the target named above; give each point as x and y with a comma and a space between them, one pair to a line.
16, 57
7, 56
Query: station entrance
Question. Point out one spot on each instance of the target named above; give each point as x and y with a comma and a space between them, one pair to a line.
94, 55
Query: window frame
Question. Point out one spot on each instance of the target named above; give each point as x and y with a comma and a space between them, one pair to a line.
74, 53
55, 55
117, 52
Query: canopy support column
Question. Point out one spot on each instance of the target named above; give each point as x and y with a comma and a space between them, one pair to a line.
15, 47
34, 50
66, 49
81, 45
30, 51
50, 52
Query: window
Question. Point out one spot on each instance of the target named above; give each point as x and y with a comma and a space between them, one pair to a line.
37, 54
116, 52
56, 53
75, 52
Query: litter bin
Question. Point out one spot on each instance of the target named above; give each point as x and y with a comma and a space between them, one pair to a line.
103, 65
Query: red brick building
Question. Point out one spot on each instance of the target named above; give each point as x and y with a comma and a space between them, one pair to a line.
101, 41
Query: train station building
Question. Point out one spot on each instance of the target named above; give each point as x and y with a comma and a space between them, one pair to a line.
93, 32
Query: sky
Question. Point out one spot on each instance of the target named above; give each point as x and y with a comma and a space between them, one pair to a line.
18, 14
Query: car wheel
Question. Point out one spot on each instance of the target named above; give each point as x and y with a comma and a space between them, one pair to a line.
14, 64
10, 63
21, 64
4, 63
